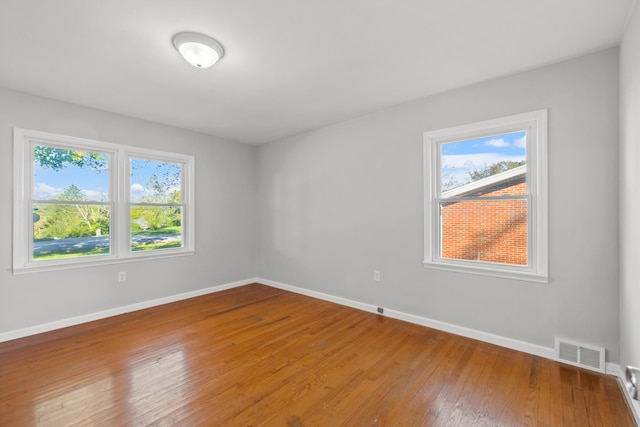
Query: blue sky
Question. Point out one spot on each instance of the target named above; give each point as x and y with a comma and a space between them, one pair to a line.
94, 184
49, 184
459, 158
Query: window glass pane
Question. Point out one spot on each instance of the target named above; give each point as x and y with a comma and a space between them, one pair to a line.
483, 166
156, 227
70, 230
485, 230
155, 182
61, 174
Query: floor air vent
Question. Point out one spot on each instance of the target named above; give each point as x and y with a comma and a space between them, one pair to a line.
584, 356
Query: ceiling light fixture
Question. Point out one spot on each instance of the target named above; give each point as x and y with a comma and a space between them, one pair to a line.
197, 49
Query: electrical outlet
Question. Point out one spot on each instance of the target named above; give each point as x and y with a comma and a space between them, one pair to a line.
380, 310
122, 276
376, 275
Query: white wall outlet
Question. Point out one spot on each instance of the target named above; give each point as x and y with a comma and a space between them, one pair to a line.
376, 275
122, 276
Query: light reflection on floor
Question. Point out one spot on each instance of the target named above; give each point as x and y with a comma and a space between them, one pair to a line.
79, 404
159, 385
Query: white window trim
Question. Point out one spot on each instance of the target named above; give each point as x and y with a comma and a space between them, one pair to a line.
536, 125
119, 193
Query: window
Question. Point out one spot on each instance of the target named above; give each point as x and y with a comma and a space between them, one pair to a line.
79, 202
486, 198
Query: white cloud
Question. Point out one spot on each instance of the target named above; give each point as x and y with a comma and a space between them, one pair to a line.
471, 161
44, 191
474, 161
137, 188
500, 142
521, 142
95, 195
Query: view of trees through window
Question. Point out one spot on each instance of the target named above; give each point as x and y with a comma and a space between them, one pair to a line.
155, 194
485, 194
72, 203
488, 223
466, 161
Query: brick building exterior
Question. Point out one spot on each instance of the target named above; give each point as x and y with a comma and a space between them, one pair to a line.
487, 230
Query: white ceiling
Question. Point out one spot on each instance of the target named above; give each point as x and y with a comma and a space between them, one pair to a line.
290, 65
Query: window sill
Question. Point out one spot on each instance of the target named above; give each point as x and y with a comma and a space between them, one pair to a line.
489, 271
96, 263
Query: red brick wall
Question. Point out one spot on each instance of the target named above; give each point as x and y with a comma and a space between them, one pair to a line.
490, 231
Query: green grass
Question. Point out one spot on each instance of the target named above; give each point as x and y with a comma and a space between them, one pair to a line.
174, 230
153, 246
171, 231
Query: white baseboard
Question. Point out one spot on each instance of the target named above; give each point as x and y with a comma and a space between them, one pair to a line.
546, 352
59, 324
319, 295
612, 369
633, 404
538, 350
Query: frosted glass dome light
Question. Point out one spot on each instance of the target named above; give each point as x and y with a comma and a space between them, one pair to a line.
197, 49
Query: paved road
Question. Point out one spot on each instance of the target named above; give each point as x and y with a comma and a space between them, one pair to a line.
90, 243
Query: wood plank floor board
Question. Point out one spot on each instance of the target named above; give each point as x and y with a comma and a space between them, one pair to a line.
259, 356
428, 382
465, 400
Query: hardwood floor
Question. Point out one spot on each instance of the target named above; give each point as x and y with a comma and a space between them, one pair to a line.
261, 356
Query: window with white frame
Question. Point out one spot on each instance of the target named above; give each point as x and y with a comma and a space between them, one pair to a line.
81, 202
486, 198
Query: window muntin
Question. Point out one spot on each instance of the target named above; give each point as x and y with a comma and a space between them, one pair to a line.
75, 202
485, 198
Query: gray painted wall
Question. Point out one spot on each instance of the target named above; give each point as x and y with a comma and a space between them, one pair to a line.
224, 218
630, 193
338, 202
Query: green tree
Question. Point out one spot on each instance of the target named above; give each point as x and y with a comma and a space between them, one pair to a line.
493, 169
449, 181
159, 191
58, 158
73, 219
73, 194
